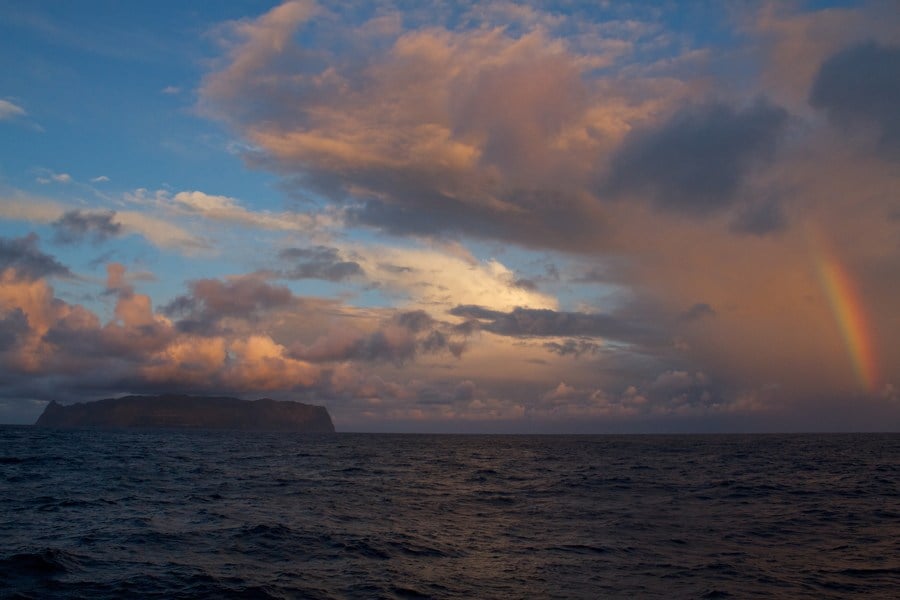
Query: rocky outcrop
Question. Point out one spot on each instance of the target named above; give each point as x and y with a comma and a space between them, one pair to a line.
198, 412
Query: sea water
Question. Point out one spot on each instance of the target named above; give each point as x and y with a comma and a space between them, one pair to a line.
212, 514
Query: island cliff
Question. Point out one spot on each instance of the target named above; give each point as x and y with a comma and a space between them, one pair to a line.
198, 412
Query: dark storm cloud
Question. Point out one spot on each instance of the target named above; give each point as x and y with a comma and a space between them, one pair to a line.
593, 275
532, 322
414, 320
75, 225
696, 162
526, 284
554, 218
23, 255
13, 325
760, 219
698, 311
574, 348
394, 268
860, 85
318, 262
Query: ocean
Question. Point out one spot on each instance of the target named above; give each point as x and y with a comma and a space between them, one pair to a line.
214, 514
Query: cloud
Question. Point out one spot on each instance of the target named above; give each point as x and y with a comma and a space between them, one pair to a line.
100, 179
397, 340
50, 177
212, 301
138, 349
484, 132
698, 311
261, 41
223, 208
160, 232
75, 226
171, 90
443, 276
226, 210
860, 86
243, 334
9, 111
793, 42
21, 258
318, 262
696, 162
482, 135
573, 347
669, 394
52, 349
525, 322
13, 326
760, 218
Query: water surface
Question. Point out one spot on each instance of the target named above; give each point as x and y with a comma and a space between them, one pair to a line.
196, 514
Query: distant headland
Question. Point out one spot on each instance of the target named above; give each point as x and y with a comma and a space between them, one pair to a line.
195, 412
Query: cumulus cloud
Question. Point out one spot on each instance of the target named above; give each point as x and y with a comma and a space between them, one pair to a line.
75, 226
140, 349
695, 162
860, 86
227, 342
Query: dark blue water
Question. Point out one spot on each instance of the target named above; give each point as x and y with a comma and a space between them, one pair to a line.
171, 514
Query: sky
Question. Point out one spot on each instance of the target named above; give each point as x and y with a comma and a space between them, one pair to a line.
554, 217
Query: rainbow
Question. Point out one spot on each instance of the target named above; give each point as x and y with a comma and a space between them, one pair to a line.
848, 310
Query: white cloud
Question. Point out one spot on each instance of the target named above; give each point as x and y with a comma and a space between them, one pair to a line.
162, 233
171, 90
229, 210
48, 176
437, 279
100, 179
8, 110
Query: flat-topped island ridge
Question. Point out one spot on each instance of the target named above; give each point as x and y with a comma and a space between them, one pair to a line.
193, 412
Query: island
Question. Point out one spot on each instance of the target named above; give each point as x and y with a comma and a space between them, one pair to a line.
195, 412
